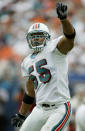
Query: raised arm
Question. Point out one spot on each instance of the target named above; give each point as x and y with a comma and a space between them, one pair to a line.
67, 41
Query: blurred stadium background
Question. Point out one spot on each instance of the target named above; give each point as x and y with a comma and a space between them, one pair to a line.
15, 18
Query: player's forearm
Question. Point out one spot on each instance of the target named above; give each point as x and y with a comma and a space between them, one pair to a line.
67, 27
26, 104
24, 109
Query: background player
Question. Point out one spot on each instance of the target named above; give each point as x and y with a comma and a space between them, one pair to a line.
46, 69
80, 118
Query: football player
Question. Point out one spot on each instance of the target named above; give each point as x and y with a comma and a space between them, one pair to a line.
47, 71
80, 118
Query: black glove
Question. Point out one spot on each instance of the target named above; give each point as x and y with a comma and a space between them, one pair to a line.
17, 120
61, 10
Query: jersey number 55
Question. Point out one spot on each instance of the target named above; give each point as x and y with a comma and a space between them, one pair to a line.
44, 74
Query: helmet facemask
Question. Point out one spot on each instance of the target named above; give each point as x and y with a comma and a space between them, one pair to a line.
37, 40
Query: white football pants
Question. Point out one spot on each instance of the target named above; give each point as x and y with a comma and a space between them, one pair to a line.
44, 119
80, 118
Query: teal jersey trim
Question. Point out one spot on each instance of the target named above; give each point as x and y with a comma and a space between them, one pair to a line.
32, 56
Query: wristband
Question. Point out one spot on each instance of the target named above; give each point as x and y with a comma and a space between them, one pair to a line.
72, 36
28, 99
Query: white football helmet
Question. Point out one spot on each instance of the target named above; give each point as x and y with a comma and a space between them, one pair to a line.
37, 36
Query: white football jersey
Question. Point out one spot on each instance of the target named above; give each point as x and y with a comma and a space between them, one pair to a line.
49, 71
